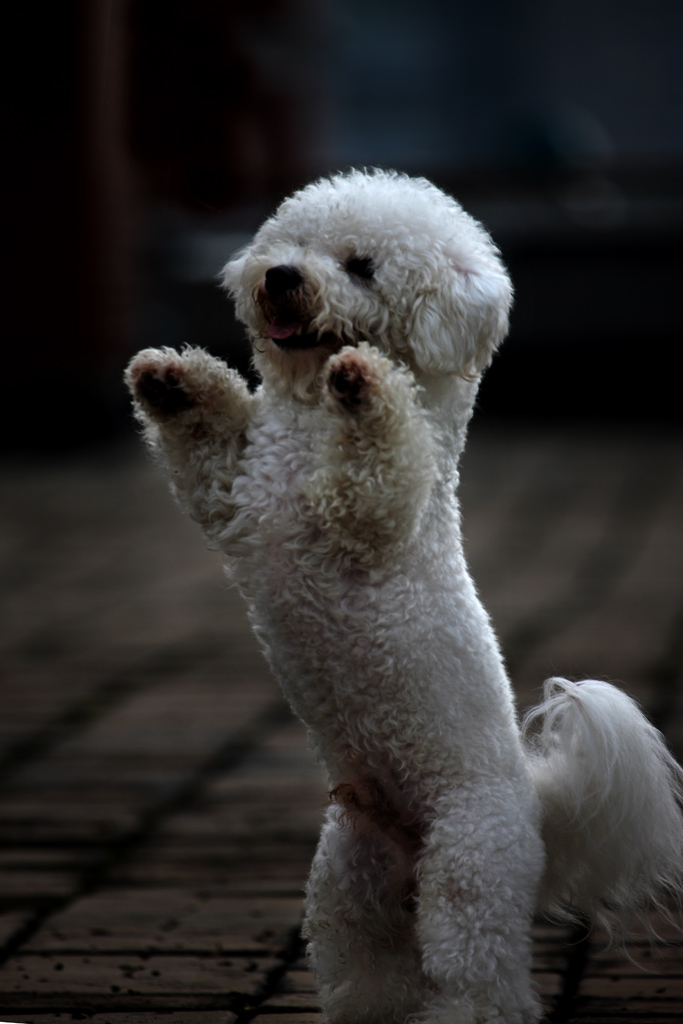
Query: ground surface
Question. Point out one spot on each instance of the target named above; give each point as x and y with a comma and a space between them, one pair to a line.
159, 808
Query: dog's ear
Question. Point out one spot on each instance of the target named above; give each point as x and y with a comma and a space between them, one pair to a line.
459, 322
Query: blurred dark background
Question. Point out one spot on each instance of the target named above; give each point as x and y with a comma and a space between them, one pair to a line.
145, 140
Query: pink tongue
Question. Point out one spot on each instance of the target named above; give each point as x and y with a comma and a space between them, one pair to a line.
282, 329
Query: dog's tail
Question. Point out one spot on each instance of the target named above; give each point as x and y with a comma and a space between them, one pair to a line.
611, 794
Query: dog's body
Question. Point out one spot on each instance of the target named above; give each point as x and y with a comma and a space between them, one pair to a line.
374, 302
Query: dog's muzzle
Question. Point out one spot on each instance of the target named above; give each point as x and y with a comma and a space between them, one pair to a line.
287, 308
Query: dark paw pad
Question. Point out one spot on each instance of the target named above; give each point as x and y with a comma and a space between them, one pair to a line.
346, 382
164, 393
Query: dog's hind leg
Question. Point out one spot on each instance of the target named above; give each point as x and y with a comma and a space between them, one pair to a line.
478, 877
194, 411
361, 932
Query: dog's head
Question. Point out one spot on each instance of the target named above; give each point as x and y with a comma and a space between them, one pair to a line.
376, 257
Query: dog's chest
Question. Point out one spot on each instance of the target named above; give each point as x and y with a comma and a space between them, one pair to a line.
279, 457
361, 655
289, 566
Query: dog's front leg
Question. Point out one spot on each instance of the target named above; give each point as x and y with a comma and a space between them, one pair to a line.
195, 412
377, 462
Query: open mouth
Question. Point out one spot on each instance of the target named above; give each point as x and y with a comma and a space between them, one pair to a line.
290, 333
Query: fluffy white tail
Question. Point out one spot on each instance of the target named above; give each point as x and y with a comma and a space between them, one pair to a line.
612, 794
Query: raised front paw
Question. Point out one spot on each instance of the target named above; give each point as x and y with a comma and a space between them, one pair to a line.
159, 386
159, 380
355, 377
188, 387
375, 453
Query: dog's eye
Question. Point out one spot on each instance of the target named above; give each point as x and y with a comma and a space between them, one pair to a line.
360, 266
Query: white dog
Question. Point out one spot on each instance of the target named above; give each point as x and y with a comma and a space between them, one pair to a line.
373, 302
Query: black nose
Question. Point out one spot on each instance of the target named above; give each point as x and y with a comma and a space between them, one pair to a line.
282, 279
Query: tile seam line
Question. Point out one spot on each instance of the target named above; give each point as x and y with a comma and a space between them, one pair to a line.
84, 712
598, 571
226, 758
573, 973
292, 954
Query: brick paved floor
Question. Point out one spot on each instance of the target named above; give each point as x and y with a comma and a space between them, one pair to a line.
159, 808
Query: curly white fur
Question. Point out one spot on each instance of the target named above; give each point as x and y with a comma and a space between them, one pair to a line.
373, 302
